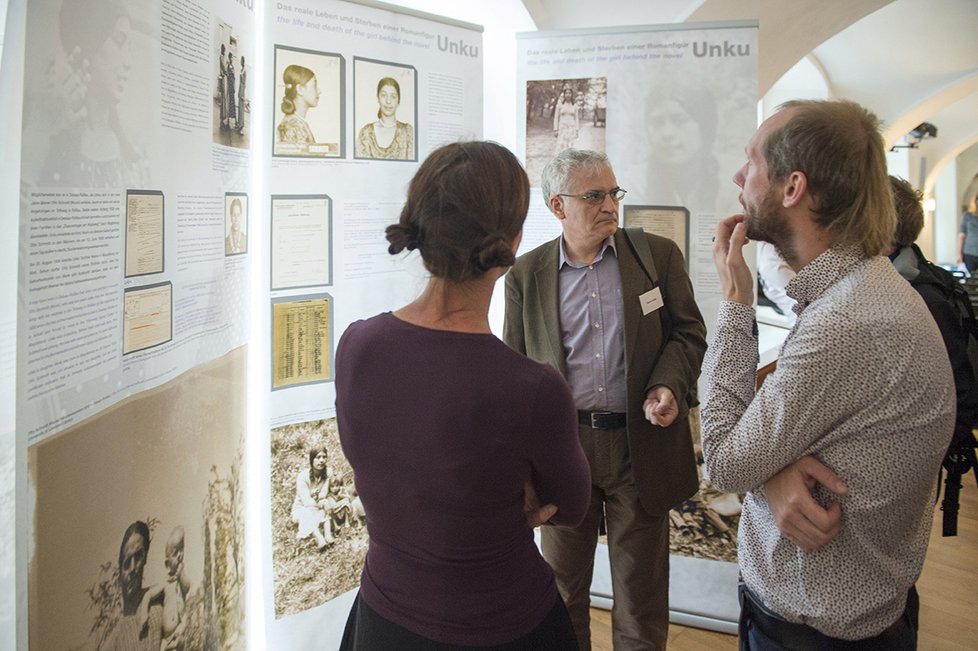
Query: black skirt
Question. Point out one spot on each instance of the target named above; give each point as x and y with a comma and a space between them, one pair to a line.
368, 631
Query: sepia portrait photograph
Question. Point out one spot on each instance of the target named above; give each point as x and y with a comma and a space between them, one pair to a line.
232, 100
562, 114
235, 223
319, 535
91, 97
671, 222
385, 110
138, 528
308, 103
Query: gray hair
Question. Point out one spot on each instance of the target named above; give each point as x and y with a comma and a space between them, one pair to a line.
555, 174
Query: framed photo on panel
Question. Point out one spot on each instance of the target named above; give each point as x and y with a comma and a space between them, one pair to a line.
671, 222
308, 104
144, 232
385, 110
302, 351
147, 317
235, 223
302, 241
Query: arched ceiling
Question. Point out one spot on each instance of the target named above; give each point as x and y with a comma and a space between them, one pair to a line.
910, 61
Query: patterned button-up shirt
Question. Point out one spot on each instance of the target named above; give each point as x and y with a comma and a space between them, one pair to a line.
863, 383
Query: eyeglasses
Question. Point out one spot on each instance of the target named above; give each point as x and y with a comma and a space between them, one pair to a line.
596, 197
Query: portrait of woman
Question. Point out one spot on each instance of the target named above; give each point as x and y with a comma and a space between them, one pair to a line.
319, 505
74, 125
452, 474
386, 137
566, 122
301, 94
681, 129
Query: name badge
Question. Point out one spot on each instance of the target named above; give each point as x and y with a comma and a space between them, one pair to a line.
650, 301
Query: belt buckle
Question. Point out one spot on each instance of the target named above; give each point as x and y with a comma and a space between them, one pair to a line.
597, 419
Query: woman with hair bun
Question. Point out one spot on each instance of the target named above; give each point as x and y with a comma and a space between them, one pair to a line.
456, 440
301, 94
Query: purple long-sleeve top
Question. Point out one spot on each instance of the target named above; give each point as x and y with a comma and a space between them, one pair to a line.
442, 430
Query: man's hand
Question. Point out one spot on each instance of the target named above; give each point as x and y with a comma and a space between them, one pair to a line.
660, 406
736, 279
535, 514
800, 518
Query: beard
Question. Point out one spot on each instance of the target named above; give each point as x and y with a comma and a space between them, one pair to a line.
767, 222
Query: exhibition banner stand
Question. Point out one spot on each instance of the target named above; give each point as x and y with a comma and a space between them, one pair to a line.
203, 190
673, 107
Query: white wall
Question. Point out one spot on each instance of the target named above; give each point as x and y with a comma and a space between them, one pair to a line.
502, 19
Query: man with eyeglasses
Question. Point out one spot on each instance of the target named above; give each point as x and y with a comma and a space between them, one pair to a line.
614, 312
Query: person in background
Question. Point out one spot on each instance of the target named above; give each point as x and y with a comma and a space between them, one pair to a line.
615, 313
968, 238
775, 274
452, 436
934, 286
831, 430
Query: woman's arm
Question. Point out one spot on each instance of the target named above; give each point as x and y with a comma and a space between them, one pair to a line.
303, 492
561, 475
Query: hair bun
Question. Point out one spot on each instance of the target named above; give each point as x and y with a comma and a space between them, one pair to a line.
494, 251
403, 236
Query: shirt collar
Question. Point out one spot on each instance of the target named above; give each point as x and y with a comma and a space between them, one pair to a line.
821, 273
905, 261
563, 259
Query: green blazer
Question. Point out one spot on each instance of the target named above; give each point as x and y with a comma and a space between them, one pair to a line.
662, 457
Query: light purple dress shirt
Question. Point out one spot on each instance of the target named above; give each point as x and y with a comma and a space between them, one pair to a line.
591, 328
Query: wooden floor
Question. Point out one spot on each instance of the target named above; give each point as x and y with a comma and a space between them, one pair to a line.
948, 590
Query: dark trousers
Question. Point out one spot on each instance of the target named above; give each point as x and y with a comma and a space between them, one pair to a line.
638, 549
970, 262
366, 630
763, 630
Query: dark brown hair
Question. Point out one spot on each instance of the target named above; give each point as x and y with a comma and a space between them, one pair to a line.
909, 212
465, 206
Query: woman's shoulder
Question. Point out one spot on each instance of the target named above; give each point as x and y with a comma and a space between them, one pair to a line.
518, 365
364, 331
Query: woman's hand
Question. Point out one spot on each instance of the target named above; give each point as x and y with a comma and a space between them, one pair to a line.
535, 514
